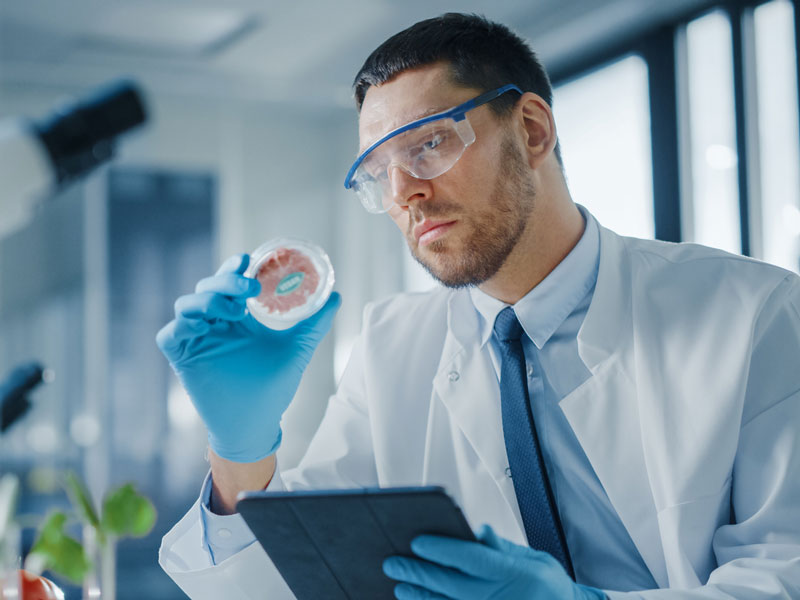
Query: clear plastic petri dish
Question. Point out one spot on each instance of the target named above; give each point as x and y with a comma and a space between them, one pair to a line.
296, 279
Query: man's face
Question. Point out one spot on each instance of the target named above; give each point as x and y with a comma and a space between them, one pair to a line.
462, 225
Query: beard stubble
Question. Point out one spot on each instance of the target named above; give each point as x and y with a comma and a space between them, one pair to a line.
494, 231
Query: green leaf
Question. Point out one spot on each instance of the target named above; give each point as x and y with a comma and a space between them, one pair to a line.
62, 554
81, 500
126, 512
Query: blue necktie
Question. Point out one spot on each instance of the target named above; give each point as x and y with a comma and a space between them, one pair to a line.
528, 473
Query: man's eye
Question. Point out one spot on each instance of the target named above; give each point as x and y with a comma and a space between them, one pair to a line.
432, 143
372, 170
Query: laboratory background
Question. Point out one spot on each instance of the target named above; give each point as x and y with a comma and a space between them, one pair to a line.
678, 120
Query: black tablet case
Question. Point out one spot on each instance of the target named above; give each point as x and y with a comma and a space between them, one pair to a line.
331, 544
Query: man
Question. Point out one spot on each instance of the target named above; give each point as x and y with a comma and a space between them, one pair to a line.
623, 413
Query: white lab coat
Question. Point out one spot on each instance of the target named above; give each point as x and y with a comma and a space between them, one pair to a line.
691, 420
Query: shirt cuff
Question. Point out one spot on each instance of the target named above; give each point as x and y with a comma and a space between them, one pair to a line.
225, 535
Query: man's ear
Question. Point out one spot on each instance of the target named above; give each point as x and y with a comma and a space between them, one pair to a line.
539, 128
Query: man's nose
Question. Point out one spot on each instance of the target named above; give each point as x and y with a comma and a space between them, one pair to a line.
405, 188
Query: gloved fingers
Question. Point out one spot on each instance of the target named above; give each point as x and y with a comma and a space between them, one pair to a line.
488, 537
468, 557
434, 578
234, 264
171, 337
229, 284
320, 322
406, 591
209, 306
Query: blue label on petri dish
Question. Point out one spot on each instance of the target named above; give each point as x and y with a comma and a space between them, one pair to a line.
290, 283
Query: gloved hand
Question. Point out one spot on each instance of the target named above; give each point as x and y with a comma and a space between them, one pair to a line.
240, 375
495, 568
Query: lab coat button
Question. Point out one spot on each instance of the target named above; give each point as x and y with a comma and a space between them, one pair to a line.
453, 376
508, 472
530, 370
224, 533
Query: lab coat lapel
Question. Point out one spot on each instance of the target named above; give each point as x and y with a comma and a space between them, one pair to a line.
604, 411
467, 384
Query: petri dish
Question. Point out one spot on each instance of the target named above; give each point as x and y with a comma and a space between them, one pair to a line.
296, 279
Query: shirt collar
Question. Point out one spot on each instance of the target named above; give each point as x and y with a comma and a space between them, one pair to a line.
542, 310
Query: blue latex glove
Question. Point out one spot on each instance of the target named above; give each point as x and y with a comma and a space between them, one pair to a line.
240, 375
493, 569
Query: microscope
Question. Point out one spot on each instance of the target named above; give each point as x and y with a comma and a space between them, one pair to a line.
37, 158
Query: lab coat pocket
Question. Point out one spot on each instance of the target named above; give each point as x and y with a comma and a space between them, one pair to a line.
687, 530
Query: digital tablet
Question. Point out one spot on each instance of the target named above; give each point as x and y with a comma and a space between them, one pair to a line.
331, 543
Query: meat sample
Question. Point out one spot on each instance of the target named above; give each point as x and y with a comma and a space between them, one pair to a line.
288, 278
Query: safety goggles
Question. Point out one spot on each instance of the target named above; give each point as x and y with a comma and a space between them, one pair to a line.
425, 148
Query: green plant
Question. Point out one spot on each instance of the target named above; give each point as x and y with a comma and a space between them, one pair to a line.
125, 513
59, 552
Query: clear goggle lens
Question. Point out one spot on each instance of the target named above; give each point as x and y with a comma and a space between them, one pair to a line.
423, 152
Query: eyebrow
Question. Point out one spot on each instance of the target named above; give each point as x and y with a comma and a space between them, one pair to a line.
417, 117
427, 113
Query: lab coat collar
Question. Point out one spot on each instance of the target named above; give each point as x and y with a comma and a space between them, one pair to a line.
608, 320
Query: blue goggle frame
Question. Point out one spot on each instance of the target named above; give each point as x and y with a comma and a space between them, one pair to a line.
457, 114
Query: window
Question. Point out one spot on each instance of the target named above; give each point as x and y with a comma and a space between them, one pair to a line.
714, 203
776, 89
603, 121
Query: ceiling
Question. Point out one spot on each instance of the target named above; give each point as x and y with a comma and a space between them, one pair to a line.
301, 52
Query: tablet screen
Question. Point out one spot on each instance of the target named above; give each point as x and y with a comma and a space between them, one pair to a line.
331, 543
